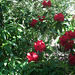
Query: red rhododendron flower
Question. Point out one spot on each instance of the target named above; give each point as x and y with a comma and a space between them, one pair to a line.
72, 59
39, 46
70, 34
69, 45
40, 18
59, 17
63, 40
33, 23
73, 34
44, 3
66, 40
43, 16
49, 3
32, 56
56, 17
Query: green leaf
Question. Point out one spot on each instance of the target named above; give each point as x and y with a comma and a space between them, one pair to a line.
72, 52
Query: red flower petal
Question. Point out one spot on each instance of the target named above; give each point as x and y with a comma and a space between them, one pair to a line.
49, 3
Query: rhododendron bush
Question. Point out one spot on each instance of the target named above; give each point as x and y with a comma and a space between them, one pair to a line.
36, 38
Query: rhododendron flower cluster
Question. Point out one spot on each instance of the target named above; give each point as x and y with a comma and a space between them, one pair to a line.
32, 56
40, 18
59, 17
33, 23
70, 34
72, 59
67, 40
46, 3
39, 46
